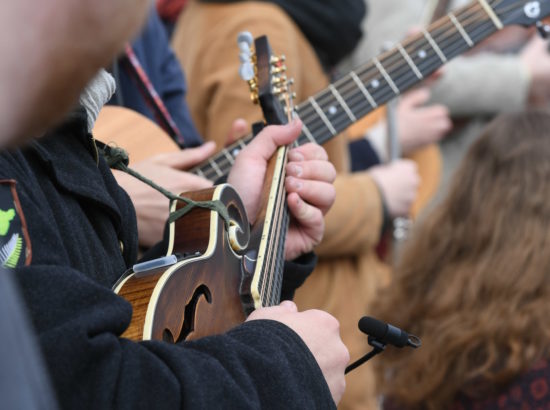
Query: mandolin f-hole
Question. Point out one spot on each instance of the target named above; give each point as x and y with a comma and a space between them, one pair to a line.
188, 325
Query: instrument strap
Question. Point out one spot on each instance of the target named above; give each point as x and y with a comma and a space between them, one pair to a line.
118, 159
132, 65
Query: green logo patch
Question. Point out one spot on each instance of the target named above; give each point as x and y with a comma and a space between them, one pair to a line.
15, 246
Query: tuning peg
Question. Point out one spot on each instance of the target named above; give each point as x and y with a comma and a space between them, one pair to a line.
543, 29
245, 38
245, 58
246, 71
282, 79
279, 90
279, 69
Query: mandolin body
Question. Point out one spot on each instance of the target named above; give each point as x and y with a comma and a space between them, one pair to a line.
205, 292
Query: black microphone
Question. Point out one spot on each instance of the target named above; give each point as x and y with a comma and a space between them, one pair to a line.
386, 333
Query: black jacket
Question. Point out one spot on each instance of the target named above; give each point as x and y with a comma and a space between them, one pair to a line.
82, 232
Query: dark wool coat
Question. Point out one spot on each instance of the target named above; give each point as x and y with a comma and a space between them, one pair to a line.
82, 233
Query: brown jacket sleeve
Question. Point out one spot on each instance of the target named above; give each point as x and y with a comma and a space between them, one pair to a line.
205, 43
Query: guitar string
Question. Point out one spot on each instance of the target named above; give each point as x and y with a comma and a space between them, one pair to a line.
388, 58
207, 168
404, 80
318, 127
444, 23
341, 121
414, 42
225, 164
315, 125
400, 72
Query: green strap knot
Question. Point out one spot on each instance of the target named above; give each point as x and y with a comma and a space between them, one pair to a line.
117, 158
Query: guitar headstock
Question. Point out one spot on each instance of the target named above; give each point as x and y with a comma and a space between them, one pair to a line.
266, 77
522, 12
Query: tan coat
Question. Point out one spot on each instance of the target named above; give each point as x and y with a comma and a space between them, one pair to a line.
349, 273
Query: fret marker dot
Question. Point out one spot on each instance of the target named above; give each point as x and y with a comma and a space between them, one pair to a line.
375, 83
235, 152
422, 54
332, 110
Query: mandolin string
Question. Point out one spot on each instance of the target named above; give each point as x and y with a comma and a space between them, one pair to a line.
273, 237
417, 41
277, 252
279, 224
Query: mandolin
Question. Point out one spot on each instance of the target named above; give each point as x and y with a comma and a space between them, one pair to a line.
216, 273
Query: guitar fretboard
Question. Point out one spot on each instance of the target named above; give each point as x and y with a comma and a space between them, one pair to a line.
372, 85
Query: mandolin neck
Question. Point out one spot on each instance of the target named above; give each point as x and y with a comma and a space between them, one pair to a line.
268, 235
373, 84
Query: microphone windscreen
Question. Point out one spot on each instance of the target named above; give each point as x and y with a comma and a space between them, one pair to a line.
373, 327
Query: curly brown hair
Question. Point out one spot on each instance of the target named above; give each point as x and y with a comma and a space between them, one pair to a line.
474, 280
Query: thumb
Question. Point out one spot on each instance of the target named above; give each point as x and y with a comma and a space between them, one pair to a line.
239, 129
289, 305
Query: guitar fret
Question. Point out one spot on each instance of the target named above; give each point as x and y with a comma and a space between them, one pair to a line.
215, 167
491, 13
461, 30
342, 103
241, 143
363, 90
409, 61
434, 45
228, 156
386, 76
200, 173
307, 133
322, 115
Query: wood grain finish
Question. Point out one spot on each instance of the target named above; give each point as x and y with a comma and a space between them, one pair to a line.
199, 295
138, 135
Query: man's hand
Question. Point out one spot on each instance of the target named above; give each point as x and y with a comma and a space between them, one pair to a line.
152, 208
308, 183
418, 124
321, 333
398, 183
